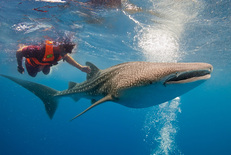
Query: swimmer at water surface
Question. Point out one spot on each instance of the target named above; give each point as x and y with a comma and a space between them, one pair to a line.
43, 57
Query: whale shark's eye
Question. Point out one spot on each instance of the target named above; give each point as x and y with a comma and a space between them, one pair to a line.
177, 74
150, 82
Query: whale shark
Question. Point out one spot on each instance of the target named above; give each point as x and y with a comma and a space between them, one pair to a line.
132, 84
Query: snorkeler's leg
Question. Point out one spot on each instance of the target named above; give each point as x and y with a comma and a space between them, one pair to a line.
46, 70
31, 70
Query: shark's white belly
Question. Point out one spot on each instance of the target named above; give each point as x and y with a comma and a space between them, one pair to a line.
141, 97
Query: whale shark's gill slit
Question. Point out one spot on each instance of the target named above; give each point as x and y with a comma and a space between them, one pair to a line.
160, 128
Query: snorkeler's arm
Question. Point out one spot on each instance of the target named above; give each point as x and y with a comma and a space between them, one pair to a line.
19, 56
71, 61
27, 52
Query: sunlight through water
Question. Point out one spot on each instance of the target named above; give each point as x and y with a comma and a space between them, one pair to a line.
161, 42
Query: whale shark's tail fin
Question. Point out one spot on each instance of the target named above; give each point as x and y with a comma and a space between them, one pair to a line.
45, 93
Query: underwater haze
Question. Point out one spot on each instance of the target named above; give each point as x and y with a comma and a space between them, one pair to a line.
196, 123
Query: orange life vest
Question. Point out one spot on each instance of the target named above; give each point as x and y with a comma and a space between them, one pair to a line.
48, 58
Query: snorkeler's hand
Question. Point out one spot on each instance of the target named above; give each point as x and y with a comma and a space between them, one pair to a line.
21, 69
86, 69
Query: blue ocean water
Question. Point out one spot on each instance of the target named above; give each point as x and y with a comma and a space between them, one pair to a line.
197, 122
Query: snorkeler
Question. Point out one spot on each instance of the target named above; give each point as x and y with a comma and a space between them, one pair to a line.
42, 57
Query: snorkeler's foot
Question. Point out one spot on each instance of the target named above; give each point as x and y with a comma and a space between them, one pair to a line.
46, 70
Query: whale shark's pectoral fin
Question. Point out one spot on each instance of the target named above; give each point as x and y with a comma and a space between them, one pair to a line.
106, 98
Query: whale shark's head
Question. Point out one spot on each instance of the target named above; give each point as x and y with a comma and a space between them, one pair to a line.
187, 72
155, 83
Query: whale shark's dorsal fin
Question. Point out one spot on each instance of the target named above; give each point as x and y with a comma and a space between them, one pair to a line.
94, 70
72, 85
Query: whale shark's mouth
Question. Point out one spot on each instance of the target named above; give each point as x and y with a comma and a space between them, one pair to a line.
191, 76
